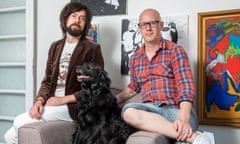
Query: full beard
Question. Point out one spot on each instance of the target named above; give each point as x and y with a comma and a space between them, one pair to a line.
74, 31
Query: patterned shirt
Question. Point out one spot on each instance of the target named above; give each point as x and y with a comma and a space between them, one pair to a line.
166, 79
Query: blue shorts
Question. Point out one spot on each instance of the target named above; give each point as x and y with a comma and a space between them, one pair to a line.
170, 112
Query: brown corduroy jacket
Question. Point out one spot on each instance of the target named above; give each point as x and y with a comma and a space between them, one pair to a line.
85, 51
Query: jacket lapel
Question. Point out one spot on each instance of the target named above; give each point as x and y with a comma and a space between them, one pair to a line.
76, 53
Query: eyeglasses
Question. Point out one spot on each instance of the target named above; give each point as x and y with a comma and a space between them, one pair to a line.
79, 17
83, 18
152, 24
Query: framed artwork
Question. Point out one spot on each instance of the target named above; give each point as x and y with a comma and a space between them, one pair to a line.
219, 68
175, 29
106, 7
93, 33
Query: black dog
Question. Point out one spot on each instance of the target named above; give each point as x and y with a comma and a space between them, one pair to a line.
99, 117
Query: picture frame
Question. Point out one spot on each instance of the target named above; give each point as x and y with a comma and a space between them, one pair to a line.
218, 77
106, 7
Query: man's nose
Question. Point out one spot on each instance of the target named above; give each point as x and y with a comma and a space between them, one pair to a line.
76, 20
148, 26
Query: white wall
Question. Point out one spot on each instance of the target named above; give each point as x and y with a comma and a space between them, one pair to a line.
48, 30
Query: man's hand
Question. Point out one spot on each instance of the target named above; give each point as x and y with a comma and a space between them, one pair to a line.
36, 110
182, 124
183, 128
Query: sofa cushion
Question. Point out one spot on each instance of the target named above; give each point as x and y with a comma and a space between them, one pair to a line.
144, 137
51, 132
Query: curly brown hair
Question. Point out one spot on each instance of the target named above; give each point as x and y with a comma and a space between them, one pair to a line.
71, 8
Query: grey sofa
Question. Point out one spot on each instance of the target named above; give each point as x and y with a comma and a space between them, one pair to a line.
60, 132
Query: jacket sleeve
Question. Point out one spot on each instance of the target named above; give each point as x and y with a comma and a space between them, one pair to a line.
44, 89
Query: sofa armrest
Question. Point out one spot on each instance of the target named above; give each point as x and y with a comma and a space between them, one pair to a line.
51, 132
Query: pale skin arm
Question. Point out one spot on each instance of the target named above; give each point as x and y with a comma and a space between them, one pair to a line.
37, 108
56, 101
124, 95
182, 124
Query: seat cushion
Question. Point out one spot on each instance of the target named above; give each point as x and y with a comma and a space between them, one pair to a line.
144, 137
51, 132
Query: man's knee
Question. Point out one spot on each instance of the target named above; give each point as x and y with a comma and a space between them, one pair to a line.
22, 119
6, 137
130, 115
10, 136
18, 121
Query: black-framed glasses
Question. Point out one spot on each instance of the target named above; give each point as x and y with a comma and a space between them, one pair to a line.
152, 24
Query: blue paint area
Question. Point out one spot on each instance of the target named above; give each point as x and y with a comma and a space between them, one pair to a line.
218, 94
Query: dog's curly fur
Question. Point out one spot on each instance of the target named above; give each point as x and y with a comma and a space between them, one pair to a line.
99, 120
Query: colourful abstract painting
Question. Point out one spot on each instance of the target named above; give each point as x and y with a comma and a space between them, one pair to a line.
223, 67
93, 33
218, 73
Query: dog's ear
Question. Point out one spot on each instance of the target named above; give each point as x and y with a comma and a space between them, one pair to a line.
104, 79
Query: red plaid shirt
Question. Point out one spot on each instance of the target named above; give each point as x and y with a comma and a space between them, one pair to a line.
166, 79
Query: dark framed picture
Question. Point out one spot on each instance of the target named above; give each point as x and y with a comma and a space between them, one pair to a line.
106, 7
219, 68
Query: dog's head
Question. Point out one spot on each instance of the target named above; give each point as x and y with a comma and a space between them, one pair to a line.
94, 91
93, 75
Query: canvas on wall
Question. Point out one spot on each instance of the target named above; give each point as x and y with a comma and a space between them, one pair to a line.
93, 33
219, 68
106, 7
175, 29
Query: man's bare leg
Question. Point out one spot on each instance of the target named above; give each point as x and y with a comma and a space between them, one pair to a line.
152, 122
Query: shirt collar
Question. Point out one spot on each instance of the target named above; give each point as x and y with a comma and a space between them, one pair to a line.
162, 45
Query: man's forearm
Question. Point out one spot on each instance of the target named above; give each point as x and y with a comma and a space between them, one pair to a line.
185, 110
125, 94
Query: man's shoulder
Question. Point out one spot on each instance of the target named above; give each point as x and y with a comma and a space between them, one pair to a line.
136, 55
174, 48
57, 42
82, 41
171, 45
139, 52
89, 42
